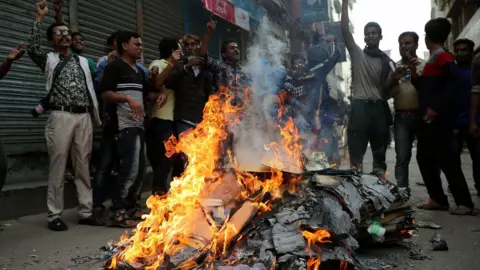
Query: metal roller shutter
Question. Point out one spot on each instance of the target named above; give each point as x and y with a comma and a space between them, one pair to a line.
161, 19
24, 85
98, 19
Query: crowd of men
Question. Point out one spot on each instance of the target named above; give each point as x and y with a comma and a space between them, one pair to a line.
435, 101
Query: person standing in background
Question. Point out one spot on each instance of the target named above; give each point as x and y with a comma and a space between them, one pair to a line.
124, 86
162, 125
463, 49
372, 77
405, 102
437, 88
13, 56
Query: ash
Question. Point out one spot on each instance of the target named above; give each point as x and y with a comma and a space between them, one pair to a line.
346, 204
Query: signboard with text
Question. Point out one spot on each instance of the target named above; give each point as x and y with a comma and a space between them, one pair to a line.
222, 8
313, 11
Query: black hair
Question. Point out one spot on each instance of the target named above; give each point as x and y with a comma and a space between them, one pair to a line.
74, 34
112, 38
297, 57
124, 37
466, 41
437, 30
409, 33
167, 46
50, 29
373, 24
225, 45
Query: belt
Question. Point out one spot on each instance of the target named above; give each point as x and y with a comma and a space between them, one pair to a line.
71, 109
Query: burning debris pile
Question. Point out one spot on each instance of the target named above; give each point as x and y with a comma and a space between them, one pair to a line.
280, 217
321, 223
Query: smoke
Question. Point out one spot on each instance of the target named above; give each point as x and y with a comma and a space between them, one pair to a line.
265, 69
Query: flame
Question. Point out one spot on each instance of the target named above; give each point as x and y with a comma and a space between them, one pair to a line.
321, 236
177, 220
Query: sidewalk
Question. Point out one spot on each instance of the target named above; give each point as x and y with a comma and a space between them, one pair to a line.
17, 200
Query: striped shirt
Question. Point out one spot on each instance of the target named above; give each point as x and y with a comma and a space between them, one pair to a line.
123, 79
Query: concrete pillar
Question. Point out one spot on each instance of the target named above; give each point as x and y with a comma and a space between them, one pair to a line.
73, 15
139, 5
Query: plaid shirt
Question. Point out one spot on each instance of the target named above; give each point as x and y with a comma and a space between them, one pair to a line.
297, 87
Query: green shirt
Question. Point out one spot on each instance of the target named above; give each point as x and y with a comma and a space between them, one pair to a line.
91, 64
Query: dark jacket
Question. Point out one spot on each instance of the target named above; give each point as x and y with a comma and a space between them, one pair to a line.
191, 93
436, 86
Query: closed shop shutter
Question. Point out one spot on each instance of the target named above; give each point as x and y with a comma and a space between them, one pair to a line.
23, 87
98, 19
160, 19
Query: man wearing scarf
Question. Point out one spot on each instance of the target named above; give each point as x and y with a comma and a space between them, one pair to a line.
370, 117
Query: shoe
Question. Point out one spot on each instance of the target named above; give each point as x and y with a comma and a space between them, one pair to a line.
91, 221
57, 225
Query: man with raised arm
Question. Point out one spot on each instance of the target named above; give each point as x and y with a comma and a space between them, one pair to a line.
370, 115
71, 97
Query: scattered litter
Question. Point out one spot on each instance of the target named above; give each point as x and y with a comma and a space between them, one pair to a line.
418, 255
438, 243
428, 225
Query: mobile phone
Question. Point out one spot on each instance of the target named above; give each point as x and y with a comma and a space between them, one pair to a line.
409, 55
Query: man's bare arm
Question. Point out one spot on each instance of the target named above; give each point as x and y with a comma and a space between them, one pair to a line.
211, 26
57, 6
345, 22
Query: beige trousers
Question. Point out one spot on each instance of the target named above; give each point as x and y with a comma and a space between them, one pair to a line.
64, 132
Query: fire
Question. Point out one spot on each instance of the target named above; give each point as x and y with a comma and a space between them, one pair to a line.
179, 220
320, 236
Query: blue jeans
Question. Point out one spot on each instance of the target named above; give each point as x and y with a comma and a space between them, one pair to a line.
102, 182
404, 134
131, 152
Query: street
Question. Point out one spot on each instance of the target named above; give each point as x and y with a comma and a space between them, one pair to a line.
26, 243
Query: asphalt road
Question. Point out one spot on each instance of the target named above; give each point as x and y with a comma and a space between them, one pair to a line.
26, 243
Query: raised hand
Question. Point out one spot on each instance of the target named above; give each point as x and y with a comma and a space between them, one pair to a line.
211, 26
41, 9
175, 57
16, 53
57, 5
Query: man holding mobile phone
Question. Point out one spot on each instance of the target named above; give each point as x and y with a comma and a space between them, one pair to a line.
405, 102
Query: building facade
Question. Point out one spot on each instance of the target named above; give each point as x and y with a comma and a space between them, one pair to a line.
465, 18
23, 136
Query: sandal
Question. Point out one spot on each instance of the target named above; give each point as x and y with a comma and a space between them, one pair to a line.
463, 211
121, 220
433, 206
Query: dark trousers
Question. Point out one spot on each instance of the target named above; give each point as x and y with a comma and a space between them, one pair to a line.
3, 166
369, 121
404, 134
329, 144
435, 154
158, 132
103, 180
130, 144
461, 136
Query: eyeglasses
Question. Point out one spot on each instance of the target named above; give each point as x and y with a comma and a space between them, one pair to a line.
64, 32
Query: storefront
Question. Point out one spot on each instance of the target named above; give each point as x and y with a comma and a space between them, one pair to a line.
233, 23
